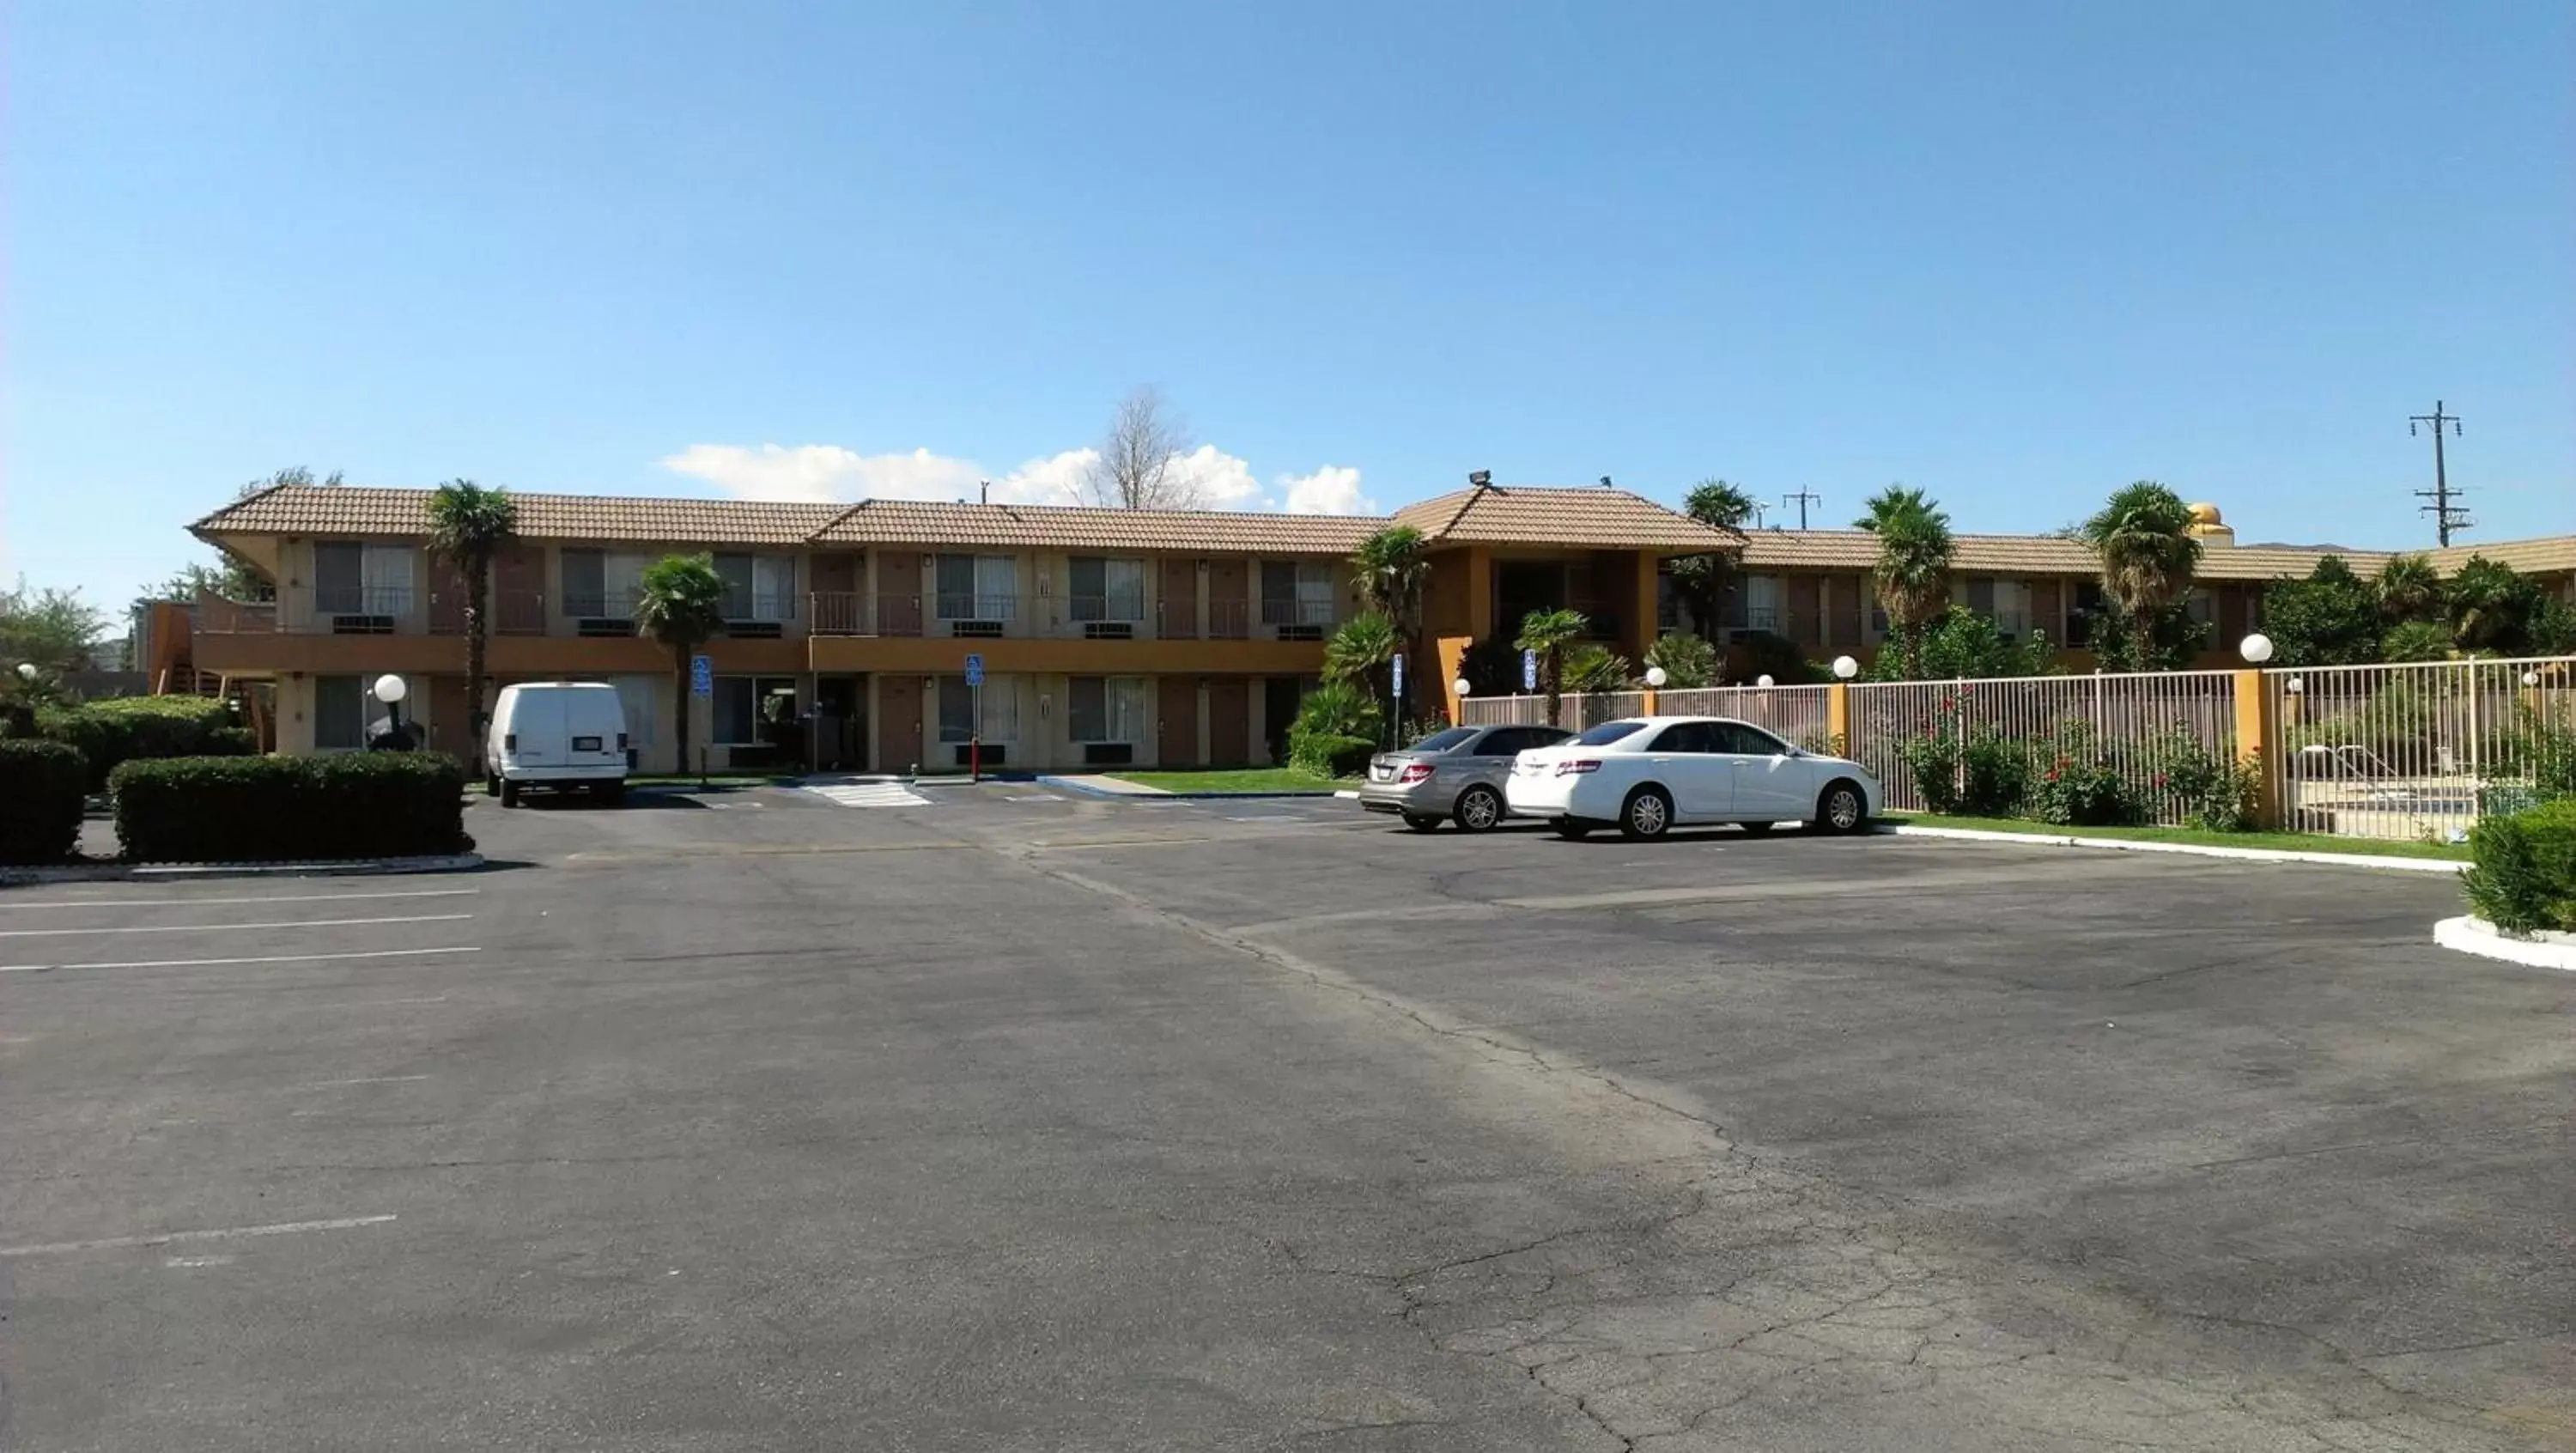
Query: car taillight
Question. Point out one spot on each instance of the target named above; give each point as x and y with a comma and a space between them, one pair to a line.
621, 741
510, 742
1415, 772
1573, 765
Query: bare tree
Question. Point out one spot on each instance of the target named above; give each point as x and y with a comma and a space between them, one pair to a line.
1139, 467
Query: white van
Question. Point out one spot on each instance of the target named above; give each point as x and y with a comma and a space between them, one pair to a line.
558, 734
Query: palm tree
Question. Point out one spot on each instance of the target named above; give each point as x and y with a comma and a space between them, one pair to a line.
1593, 667
2409, 589
1689, 662
682, 606
1701, 580
2142, 535
1549, 632
468, 525
1391, 572
1363, 646
1913, 569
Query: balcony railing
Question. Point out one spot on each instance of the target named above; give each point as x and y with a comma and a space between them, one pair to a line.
1177, 619
217, 616
372, 601
964, 606
518, 613
600, 605
758, 605
839, 613
1229, 620
1277, 611
1123, 607
898, 615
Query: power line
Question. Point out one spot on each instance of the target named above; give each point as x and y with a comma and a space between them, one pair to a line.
1801, 499
2447, 516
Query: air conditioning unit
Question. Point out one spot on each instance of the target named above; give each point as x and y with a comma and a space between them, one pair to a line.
1109, 630
1301, 633
1108, 754
979, 629
602, 626
754, 630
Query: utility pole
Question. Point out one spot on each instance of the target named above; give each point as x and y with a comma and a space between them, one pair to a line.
1801, 499
1759, 510
2447, 516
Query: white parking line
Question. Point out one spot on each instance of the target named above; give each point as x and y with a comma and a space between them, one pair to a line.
361, 1080
113, 1243
229, 927
381, 953
193, 902
869, 794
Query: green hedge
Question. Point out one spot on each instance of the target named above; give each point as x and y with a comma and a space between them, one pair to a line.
128, 728
289, 809
42, 785
1328, 754
2524, 875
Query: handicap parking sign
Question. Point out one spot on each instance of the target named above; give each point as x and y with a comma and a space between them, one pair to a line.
974, 668
702, 676
1529, 670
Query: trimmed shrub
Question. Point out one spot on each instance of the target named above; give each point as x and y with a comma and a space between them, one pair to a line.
1325, 754
44, 785
127, 728
2078, 792
285, 809
2523, 879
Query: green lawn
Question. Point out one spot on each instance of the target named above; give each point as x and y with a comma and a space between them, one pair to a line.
2300, 842
688, 779
1234, 779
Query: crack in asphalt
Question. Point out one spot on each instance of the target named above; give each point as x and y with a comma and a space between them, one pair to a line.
1762, 1284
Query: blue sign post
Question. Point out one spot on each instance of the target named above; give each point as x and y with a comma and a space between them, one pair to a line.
974, 668
702, 676
1529, 670
1399, 680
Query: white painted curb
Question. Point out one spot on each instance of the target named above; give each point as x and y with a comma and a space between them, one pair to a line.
1348, 795
2477, 936
2131, 845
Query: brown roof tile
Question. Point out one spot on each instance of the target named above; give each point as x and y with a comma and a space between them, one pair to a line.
1604, 519
915, 522
360, 510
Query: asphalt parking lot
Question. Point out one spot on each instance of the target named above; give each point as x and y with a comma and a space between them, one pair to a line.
1011, 1119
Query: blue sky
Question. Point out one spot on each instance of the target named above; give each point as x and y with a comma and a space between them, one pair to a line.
2015, 254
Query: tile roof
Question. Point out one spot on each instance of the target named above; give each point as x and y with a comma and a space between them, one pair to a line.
2546, 553
915, 522
361, 510
1606, 519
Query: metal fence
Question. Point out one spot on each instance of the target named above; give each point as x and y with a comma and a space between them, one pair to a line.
2392, 751
2141, 725
2418, 751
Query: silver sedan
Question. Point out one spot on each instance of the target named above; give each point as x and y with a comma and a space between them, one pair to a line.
1457, 774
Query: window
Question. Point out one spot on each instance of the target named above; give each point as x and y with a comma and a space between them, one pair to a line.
976, 588
352, 577
1104, 589
339, 713
739, 707
1448, 737
1685, 736
2086, 608
1297, 592
758, 587
1668, 605
957, 710
2202, 606
602, 584
1105, 708
1608, 732
1761, 598
1750, 741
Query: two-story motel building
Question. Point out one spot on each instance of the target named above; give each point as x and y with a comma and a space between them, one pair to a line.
1108, 637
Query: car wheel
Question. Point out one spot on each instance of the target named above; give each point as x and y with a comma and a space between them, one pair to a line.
1757, 828
509, 793
1842, 809
1478, 810
491, 786
1421, 822
1647, 814
1568, 828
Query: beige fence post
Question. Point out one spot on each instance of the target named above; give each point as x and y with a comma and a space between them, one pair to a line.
1838, 719
2253, 738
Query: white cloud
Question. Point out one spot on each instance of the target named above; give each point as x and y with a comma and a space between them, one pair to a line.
1331, 490
830, 473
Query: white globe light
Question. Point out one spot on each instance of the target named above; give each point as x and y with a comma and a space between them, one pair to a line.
1655, 676
26, 670
1845, 668
1763, 680
391, 688
2294, 686
1463, 687
2256, 648
2531, 678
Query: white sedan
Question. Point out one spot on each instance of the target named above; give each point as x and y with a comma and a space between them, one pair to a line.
1645, 775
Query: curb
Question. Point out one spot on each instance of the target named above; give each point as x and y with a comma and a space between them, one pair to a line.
2477, 936
196, 872
1253, 796
1082, 785
2195, 850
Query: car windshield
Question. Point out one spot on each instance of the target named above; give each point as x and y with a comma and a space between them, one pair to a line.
1607, 732
1443, 740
